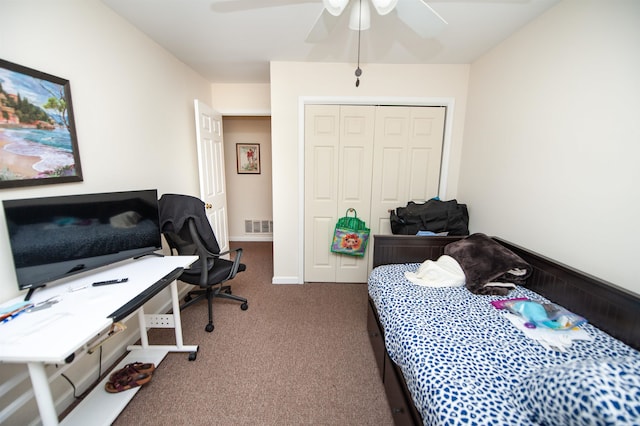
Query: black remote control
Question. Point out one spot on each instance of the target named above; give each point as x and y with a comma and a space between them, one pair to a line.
122, 280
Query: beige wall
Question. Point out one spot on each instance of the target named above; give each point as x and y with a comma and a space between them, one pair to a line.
552, 141
133, 105
133, 101
241, 99
291, 82
249, 196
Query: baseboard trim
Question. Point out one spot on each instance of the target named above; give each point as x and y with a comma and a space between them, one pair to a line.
286, 280
252, 238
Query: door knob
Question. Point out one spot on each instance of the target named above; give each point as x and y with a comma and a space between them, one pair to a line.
207, 206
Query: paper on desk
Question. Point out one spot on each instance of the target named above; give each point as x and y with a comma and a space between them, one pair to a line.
559, 340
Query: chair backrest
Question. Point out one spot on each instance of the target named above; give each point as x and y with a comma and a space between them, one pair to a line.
175, 212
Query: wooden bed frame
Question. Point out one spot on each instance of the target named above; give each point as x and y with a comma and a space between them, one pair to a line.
607, 306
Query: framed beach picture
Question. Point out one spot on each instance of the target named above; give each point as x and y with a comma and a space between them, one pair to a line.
38, 143
248, 158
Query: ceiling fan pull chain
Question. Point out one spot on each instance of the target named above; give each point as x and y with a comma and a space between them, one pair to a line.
358, 70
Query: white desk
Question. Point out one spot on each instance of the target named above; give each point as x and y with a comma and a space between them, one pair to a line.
54, 335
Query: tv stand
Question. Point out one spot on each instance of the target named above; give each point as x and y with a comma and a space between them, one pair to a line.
30, 293
153, 253
78, 322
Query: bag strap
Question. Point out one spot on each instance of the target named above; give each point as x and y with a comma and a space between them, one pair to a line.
351, 209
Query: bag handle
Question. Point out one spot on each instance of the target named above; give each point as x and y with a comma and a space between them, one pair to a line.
351, 209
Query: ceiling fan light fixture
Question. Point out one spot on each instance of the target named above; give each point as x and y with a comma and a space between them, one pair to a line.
335, 7
360, 18
384, 6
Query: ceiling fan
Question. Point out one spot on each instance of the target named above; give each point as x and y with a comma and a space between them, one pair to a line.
416, 14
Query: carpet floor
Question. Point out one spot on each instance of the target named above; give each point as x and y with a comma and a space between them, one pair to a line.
300, 355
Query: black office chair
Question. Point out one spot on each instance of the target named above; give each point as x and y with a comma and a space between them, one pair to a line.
185, 226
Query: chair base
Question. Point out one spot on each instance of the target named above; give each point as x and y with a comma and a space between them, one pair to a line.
223, 292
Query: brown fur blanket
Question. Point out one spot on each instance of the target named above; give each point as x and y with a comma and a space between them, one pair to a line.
484, 261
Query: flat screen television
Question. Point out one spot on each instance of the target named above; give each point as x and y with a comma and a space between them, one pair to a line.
55, 237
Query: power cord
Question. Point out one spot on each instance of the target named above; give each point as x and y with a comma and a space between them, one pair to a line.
73, 386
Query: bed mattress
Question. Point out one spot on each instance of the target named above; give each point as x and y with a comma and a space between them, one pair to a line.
464, 363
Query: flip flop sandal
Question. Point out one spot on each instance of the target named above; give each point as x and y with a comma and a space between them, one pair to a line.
131, 370
127, 383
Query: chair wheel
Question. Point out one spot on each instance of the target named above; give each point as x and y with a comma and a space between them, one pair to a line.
192, 356
209, 328
187, 298
228, 291
244, 306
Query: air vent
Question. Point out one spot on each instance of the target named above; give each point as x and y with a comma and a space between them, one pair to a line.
256, 226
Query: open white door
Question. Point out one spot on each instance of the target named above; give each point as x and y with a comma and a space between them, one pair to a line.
213, 189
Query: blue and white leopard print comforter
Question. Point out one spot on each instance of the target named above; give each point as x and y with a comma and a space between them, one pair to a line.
465, 364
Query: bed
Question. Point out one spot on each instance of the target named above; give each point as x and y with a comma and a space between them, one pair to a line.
471, 366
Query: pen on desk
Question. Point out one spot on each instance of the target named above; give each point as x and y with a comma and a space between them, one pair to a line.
121, 280
16, 313
71, 289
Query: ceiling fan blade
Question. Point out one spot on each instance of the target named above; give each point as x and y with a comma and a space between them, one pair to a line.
325, 23
225, 6
421, 18
335, 7
384, 6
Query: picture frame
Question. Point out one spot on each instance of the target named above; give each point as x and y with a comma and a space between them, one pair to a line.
38, 141
248, 158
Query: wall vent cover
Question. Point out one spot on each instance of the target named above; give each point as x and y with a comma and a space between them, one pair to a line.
256, 226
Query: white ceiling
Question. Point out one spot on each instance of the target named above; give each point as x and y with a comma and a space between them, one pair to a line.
232, 41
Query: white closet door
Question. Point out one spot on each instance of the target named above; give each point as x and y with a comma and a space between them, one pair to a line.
354, 181
369, 158
322, 138
338, 162
407, 159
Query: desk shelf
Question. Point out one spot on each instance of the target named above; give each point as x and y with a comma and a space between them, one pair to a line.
101, 407
52, 336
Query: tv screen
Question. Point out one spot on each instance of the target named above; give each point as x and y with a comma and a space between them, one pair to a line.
56, 237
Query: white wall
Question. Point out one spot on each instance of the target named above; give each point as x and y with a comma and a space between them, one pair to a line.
133, 101
552, 138
291, 81
133, 105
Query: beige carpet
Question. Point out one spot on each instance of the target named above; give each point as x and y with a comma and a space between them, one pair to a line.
300, 355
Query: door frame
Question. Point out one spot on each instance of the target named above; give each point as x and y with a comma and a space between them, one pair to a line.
447, 102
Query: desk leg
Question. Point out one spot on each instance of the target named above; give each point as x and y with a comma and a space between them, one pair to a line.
175, 323
142, 323
176, 314
42, 391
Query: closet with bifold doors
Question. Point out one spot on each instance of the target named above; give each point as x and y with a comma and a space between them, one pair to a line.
370, 158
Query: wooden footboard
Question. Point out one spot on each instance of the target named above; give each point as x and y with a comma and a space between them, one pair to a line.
605, 305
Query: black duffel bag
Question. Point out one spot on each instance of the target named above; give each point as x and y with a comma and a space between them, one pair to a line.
434, 215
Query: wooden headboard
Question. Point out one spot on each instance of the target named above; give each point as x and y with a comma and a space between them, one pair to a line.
611, 308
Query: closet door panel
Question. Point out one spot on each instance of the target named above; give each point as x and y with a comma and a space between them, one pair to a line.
322, 135
418, 173
391, 176
322, 261
389, 181
354, 187
389, 191
407, 157
426, 132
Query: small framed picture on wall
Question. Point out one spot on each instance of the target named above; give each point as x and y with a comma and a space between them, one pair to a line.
248, 158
